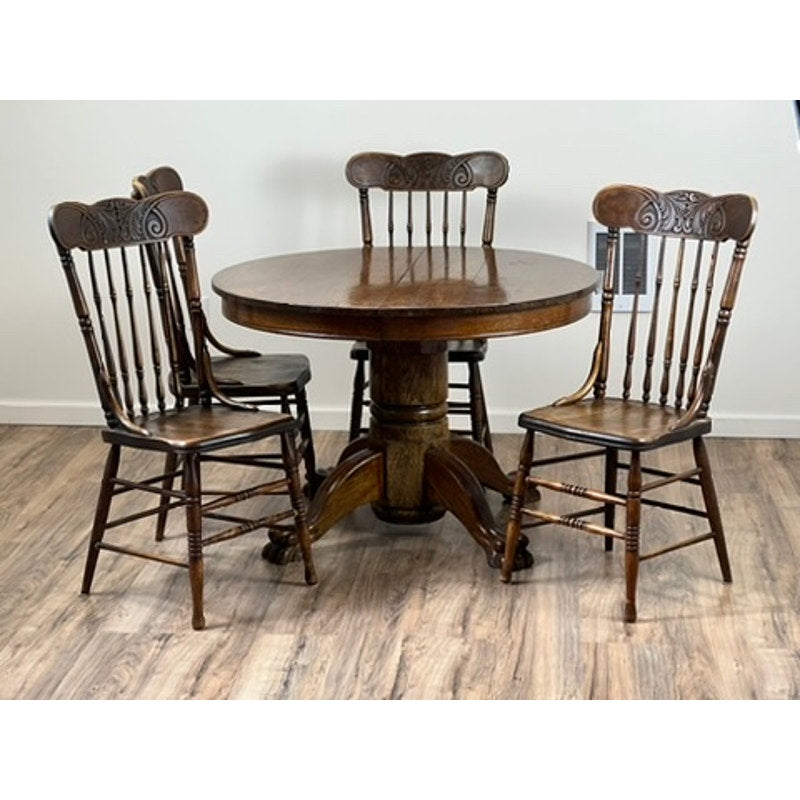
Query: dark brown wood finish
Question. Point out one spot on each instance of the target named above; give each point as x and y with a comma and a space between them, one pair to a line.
132, 340
673, 353
276, 380
407, 303
426, 198
416, 294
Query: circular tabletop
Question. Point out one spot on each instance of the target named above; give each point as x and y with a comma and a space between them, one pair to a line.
406, 293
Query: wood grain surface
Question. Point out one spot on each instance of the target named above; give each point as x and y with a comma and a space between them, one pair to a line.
406, 294
400, 612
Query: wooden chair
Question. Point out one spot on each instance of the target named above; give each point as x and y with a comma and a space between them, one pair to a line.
273, 379
418, 176
129, 329
695, 237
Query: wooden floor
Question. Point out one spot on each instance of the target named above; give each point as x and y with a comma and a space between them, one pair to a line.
399, 612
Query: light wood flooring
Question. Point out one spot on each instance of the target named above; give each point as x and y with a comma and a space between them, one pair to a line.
399, 612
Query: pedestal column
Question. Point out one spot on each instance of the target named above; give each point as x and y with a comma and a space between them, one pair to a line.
408, 415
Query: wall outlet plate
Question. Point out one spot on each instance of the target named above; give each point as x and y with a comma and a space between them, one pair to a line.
637, 256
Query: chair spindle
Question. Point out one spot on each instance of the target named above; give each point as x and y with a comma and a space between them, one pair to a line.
155, 353
689, 325
122, 356
701, 333
669, 341
136, 350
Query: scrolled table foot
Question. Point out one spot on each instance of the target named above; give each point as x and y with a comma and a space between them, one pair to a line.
280, 552
523, 558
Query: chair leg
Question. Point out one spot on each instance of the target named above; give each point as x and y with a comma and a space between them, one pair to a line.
357, 401
170, 466
609, 512
479, 419
633, 509
194, 536
515, 511
298, 505
309, 456
712, 506
101, 515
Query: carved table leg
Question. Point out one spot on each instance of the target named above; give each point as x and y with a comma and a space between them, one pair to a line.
452, 483
355, 481
481, 462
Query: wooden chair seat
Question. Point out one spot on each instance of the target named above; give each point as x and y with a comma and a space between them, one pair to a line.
269, 375
200, 428
612, 422
467, 350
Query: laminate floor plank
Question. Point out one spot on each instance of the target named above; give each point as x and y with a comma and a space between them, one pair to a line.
399, 612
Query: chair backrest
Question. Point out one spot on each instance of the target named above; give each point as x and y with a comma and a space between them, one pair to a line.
687, 250
422, 175
156, 181
114, 256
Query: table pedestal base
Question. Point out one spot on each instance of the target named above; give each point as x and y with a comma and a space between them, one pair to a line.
409, 467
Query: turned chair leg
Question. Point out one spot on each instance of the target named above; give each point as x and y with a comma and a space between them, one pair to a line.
298, 505
515, 510
101, 515
194, 536
633, 508
309, 456
170, 466
609, 510
712, 507
479, 419
357, 402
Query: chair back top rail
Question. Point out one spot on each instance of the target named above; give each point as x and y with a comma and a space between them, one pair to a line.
423, 174
694, 267
156, 181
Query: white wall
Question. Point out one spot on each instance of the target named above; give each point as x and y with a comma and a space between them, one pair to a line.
272, 173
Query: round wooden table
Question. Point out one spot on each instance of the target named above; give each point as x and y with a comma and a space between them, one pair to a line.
406, 303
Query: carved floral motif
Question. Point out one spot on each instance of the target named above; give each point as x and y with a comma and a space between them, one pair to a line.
681, 213
120, 221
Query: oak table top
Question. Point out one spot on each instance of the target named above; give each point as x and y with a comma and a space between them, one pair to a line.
406, 302
401, 294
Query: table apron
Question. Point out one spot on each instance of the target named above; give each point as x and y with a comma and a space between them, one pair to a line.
377, 326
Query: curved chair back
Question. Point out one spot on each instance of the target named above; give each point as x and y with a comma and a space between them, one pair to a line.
677, 256
114, 254
422, 175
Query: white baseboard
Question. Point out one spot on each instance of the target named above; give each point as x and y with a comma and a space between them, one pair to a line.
332, 418
29, 413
